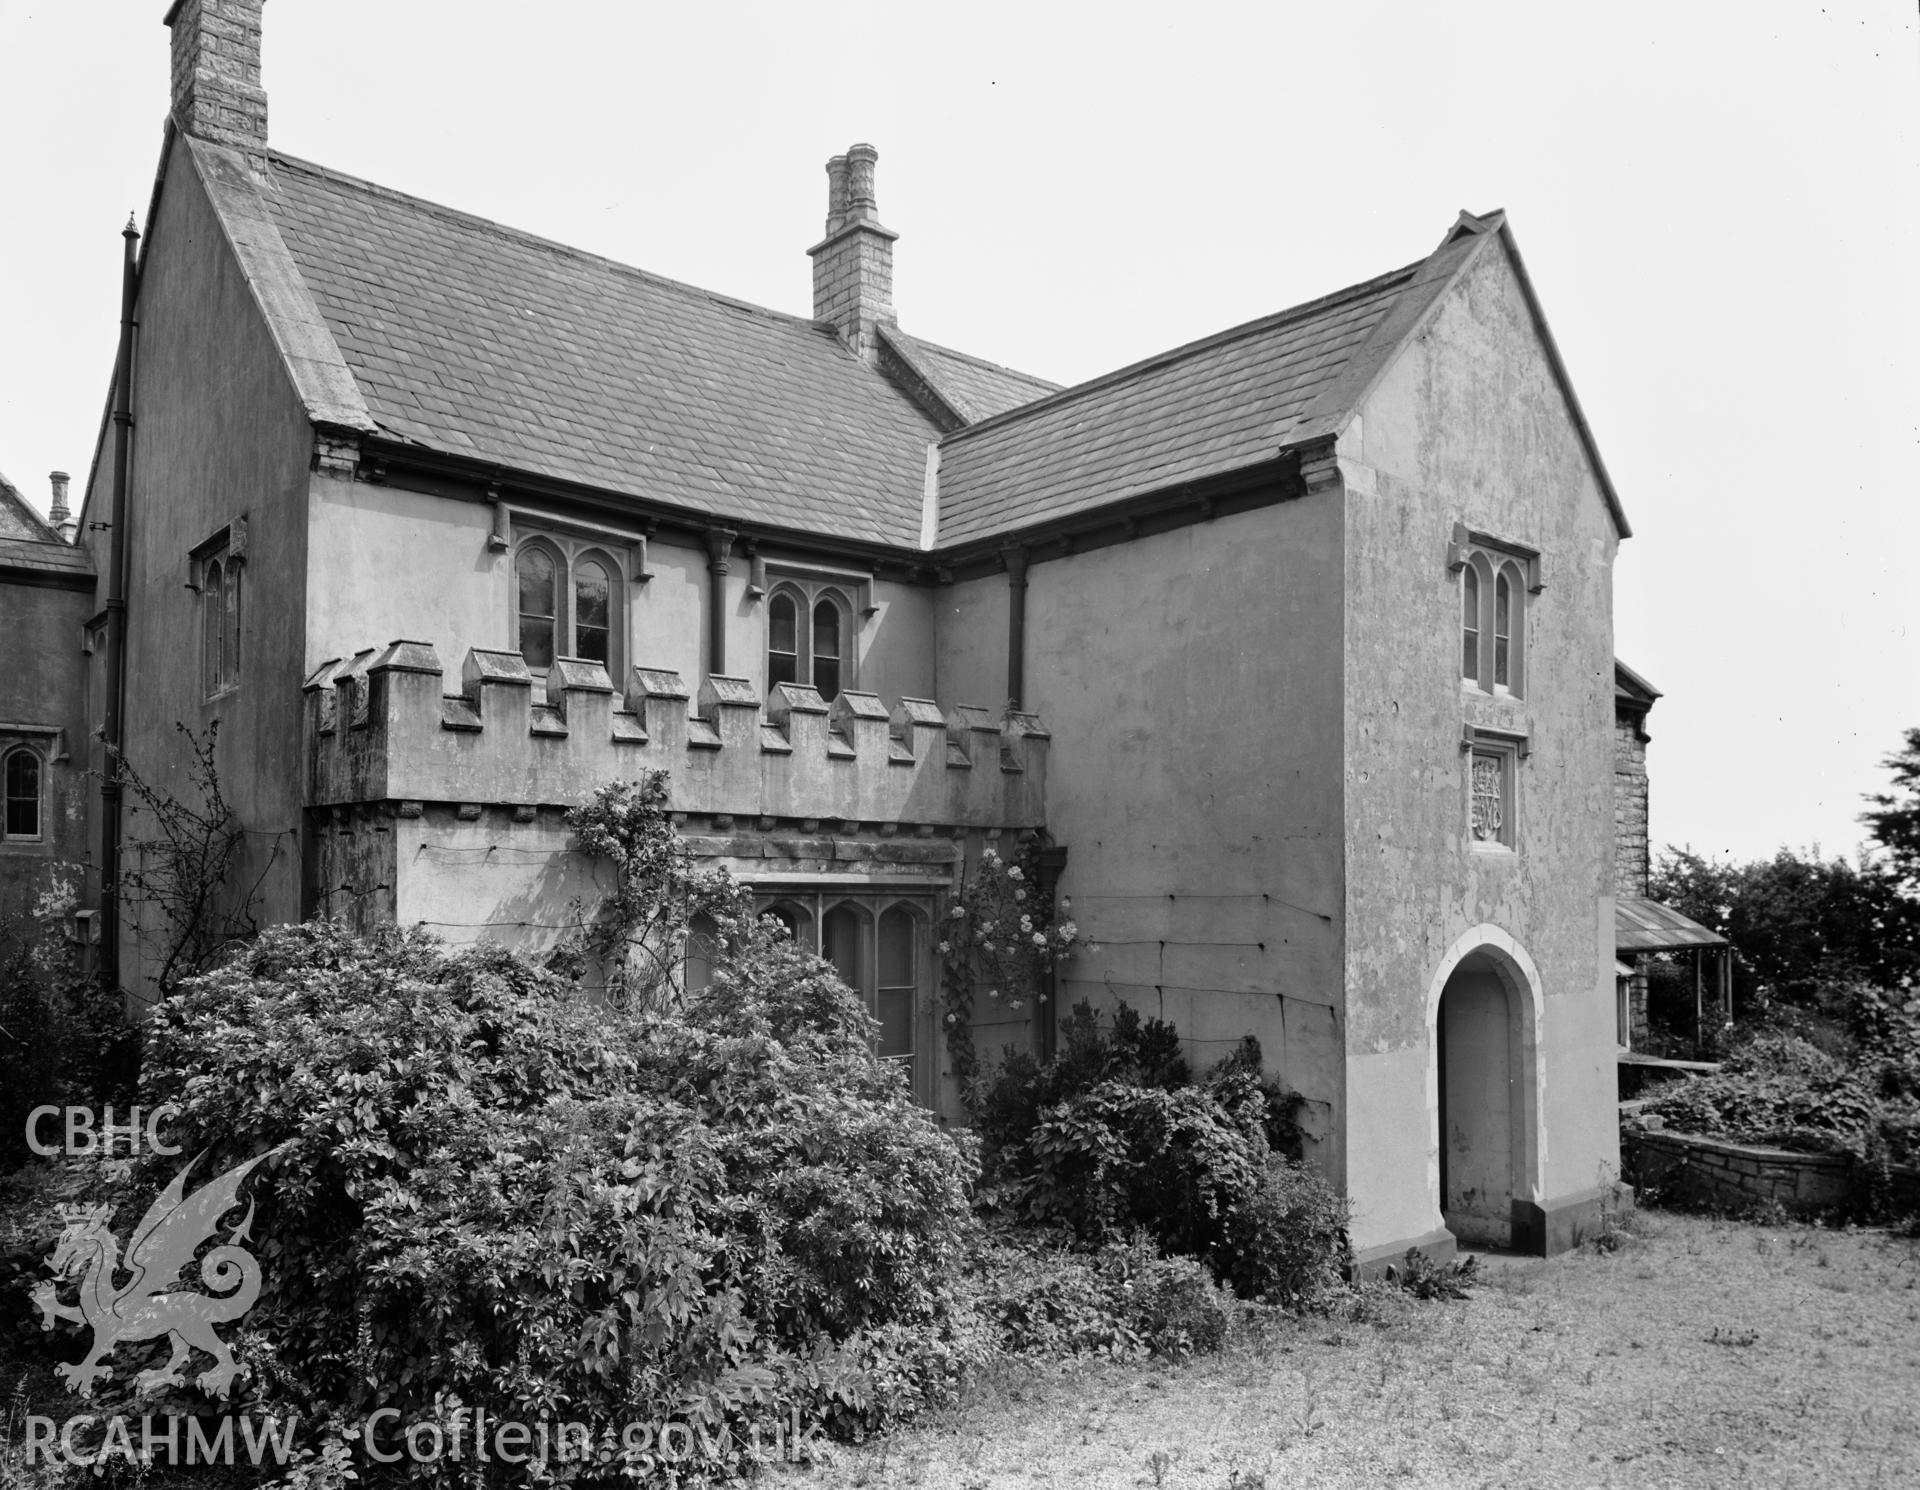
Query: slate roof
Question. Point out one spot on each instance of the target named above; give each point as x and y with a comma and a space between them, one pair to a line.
473, 339
18, 518
1232, 400
975, 388
456, 334
28, 543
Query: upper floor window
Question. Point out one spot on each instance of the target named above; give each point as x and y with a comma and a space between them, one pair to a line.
1494, 587
810, 637
24, 776
220, 563
568, 602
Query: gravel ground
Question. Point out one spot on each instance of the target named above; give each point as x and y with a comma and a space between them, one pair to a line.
1702, 1352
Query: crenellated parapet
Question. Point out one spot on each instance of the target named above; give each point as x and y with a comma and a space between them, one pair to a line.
381, 727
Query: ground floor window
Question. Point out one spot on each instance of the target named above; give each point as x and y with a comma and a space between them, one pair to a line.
24, 775
881, 948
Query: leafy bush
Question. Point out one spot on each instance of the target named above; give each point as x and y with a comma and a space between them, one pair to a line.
1776, 1087
64, 1037
489, 1189
1125, 1299
1114, 1137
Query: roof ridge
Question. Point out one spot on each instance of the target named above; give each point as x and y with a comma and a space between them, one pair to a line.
535, 240
1189, 349
999, 367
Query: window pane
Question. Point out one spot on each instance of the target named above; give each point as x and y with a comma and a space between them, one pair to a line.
592, 608
826, 649
894, 1003
696, 967
843, 943
1500, 660
826, 630
212, 612
23, 795
896, 949
896, 1022
1469, 623
535, 570
781, 629
230, 647
1502, 605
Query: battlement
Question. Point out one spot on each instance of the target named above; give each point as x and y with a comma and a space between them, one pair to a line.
381, 728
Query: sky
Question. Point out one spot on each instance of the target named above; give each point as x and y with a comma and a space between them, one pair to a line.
1717, 204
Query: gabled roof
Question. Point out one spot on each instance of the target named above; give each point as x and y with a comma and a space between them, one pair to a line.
1233, 400
1230, 402
445, 331
972, 387
471, 339
29, 544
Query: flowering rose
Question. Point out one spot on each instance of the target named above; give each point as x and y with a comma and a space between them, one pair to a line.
1014, 873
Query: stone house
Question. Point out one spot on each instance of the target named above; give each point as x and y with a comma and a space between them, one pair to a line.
1292, 645
46, 598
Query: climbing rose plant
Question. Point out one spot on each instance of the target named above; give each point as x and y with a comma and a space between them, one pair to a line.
1001, 939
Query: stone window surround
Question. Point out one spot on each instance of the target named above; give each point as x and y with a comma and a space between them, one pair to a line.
46, 744
1487, 558
569, 540
848, 590
1506, 749
226, 548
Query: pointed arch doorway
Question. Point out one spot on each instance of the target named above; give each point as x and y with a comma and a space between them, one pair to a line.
1485, 1091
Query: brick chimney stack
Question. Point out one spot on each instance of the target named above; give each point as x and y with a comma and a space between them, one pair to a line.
853, 264
216, 73
58, 515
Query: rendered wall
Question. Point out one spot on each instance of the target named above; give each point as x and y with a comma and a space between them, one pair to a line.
970, 641
389, 562
1191, 683
1469, 425
218, 435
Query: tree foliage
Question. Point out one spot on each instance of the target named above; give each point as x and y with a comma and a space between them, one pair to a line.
1799, 924
1895, 818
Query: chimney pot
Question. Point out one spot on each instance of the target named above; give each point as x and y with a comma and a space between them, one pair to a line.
836, 194
853, 264
57, 514
860, 162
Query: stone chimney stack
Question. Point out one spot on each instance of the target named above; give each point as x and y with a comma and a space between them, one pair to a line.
216, 73
58, 515
853, 264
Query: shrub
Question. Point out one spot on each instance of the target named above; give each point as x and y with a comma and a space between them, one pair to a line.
491, 1190
1042, 1299
64, 1037
1287, 1241
1114, 1136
